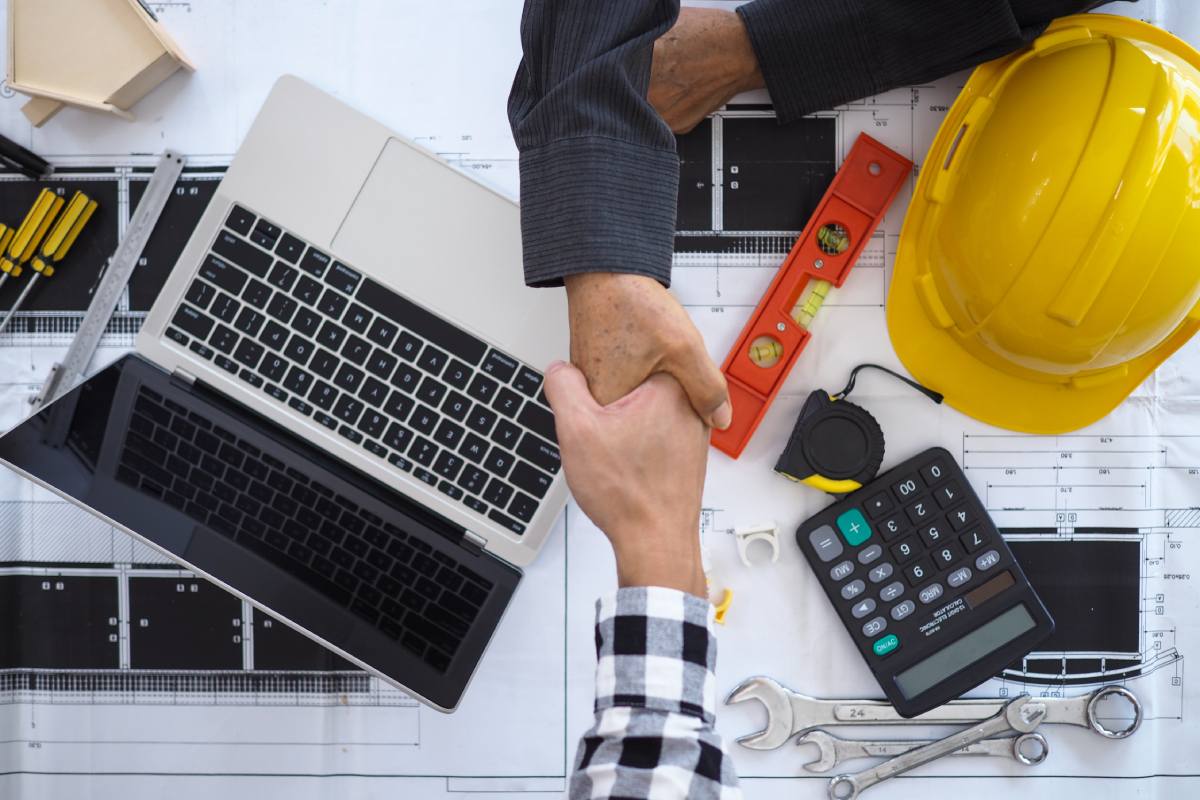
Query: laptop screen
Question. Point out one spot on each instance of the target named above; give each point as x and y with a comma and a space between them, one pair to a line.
366, 570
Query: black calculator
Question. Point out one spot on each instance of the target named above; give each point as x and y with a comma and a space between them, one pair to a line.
924, 582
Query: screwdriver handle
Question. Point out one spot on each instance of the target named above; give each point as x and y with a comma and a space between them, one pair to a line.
64, 234
33, 229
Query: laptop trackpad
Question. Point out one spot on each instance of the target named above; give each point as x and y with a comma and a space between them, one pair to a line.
454, 246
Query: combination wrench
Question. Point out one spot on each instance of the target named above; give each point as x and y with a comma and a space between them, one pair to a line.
1028, 748
789, 713
1022, 715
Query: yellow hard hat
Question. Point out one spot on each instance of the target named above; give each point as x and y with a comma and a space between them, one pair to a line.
1050, 259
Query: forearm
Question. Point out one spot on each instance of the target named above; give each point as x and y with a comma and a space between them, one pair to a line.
655, 701
599, 174
819, 54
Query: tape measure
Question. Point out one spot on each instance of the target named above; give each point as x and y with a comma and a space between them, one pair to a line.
837, 446
778, 331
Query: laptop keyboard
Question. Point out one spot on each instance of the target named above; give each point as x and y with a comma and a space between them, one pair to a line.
420, 394
415, 593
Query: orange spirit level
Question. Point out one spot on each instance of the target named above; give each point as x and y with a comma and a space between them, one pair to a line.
821, 259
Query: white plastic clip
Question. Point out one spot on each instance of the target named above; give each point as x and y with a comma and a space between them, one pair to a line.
767, 532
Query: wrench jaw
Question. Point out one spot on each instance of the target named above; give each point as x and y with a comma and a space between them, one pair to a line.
826, 750
1024, 714
775, 699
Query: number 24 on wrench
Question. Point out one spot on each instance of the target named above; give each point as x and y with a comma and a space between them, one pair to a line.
789, 713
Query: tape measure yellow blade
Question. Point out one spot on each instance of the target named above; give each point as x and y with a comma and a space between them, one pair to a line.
65, 232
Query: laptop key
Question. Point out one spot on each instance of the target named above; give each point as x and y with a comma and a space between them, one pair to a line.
458, 374
326, 420
225, 308
282, 276
200, 294
483, 388
399, 405
192, 321
273, 367
373, 424
381, 364
307, 290
507, 402
523, 507
442, 334
249, 352
473, 479
332, 304
424, 419
531, 480
498, 462
527, 382
223, 339
400, 462
349, 433
432, 360
407, 346
506, 435
299, 349
242, 253
474, 448
298, 381
538, 420
481, 420
456, 406
289, 248
325, 364
250, 378
348, 409
177, 336
448, 465
422, 451
432, 391
506, 522
475, 504
374, 392
343, 278
249, 322
276, 392
240, 220
265, 234
282, 308
448, 434
357, 319
307, 322
382, 332
406, 378
256, 293
301, 406
356, 350
541, 453
499, 366
349, 378
274, 335
323, 395
331, 336
448, 488
315, 262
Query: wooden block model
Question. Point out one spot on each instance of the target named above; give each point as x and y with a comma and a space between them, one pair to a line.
99, 54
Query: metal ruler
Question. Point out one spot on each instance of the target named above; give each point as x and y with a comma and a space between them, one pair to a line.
65, 374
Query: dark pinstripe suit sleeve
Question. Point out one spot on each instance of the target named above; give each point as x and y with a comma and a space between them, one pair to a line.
599, 174
817, 54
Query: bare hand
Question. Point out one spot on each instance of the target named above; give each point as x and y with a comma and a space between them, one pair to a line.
636, 468
625, 328
700, 64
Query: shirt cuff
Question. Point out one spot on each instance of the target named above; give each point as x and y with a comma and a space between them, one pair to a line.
595, 204
656, 649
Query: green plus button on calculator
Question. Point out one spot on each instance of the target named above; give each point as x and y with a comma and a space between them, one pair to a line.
924, 583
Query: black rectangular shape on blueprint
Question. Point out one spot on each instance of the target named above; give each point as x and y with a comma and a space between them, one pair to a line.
68, 289
1091, 588
278, 647
179, 218
695, 150
775, 175
183, 623
58, 622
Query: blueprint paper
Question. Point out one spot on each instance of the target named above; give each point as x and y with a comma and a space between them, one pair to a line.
1122, 496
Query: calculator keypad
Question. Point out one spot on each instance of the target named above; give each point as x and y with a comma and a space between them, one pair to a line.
904, 547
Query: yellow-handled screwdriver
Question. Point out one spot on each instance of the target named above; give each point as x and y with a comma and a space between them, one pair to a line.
6, 237
56, 245
25, 243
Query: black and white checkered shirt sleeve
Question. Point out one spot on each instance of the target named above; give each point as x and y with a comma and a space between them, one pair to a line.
653, 736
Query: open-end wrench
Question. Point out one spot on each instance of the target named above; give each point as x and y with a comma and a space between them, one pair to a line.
789, 713
1028, 748
1022, 715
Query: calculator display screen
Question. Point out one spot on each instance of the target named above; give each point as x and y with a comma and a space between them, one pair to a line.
975, 645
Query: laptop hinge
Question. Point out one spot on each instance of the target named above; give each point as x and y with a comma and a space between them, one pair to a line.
473, 542
182, 376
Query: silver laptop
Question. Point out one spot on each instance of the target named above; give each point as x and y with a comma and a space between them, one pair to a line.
335, 407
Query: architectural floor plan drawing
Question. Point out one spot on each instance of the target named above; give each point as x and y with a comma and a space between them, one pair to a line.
121, 674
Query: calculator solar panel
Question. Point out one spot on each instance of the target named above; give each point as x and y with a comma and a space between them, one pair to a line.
928, 589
